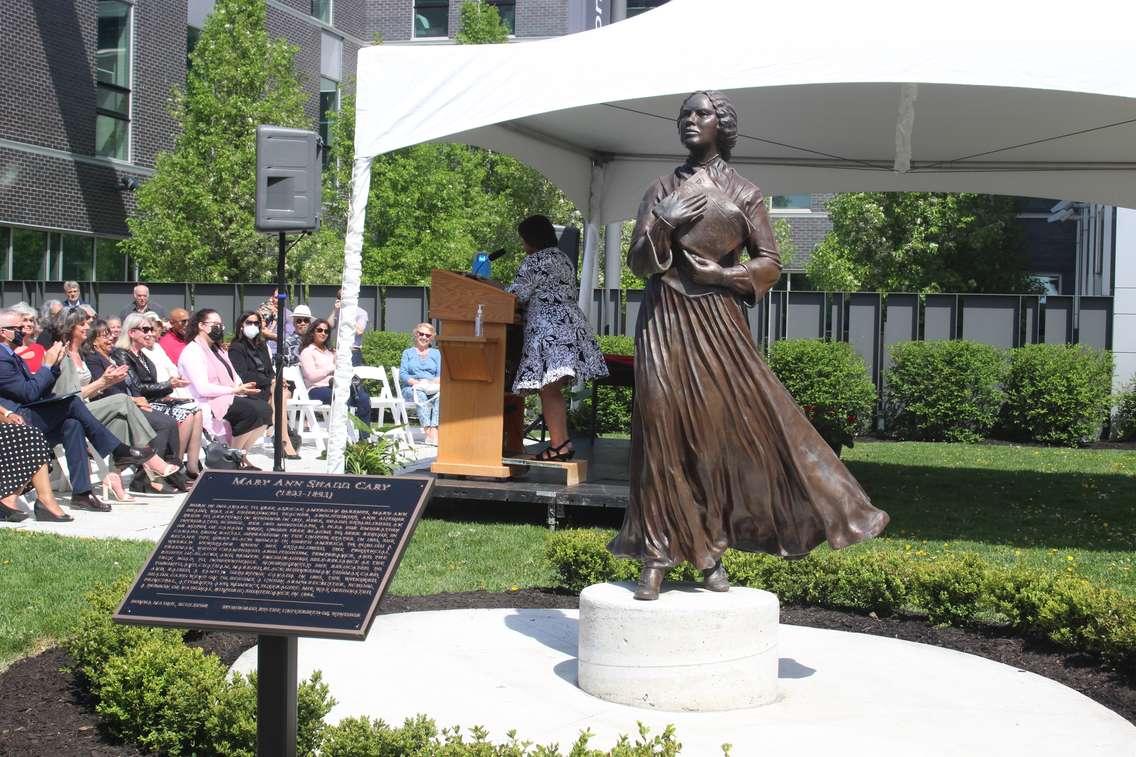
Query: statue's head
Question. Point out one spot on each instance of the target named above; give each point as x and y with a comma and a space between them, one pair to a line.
708, 118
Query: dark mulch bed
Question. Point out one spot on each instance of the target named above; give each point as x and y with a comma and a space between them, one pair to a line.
42, 711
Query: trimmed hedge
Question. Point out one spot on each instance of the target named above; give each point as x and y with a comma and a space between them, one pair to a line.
150, 688
956, 589
943, 390
1057, 393
384, 348
831, 384
1124, 424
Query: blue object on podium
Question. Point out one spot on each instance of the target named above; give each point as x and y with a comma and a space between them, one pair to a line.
481, 265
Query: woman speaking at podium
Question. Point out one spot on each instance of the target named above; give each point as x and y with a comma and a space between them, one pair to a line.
558, 345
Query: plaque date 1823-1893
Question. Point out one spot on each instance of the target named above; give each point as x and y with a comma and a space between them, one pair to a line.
288, 553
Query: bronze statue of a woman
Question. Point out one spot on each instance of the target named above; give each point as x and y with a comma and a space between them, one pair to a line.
721, 456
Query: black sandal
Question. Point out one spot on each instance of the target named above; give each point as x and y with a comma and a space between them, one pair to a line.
552, 454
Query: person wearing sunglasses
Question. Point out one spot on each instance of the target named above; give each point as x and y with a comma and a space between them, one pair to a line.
151, 389
420, 372
301, 321
317, 366
213, 381
249, 355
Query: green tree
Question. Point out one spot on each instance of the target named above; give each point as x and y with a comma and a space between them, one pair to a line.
194, 217
921, 242
481, 24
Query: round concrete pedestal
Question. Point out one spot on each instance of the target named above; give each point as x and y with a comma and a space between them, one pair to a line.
690, 650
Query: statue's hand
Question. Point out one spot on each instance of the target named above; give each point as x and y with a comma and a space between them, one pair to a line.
703, 271
676, 211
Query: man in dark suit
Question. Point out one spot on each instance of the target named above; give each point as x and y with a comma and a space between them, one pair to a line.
65, 421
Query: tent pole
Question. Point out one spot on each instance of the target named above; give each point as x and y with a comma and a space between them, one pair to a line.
345, 327
591, 240
613, 270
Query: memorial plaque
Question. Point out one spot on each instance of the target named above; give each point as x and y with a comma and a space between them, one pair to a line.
279, 553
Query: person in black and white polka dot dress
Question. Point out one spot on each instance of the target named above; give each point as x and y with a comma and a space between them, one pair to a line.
25, 453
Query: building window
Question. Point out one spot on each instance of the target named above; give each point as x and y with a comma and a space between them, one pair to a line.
507, 9
111, 263
321, 9
112, 65
329, 104
1047, 283
635, 7
29, 252
76, 256
792, 202
431, 18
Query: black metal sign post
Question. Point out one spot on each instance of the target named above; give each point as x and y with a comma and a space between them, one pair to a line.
276, 709
281, 555
278, 393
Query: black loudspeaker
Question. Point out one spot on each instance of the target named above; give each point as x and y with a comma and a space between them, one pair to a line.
569, 244
287, 179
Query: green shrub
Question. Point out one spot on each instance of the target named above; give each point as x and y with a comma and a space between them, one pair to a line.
613, 411
943, 391
384, 348
831, 384
957, 589
420, 737
1124, 423
378, 458
1057, 393
237, 732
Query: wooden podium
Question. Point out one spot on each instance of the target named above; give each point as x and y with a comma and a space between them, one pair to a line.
471, 425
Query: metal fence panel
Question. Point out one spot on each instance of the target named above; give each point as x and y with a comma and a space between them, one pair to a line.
804, 315
1030, 313
991, 319
631, 311
403, 308
1095, 327
774, 317
756, 316
219, 297
864, 329
901, 323
940, 314
1058, 319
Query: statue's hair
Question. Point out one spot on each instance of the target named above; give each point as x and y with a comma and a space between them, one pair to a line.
727, 120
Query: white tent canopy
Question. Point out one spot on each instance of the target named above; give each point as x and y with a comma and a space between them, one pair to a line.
1034, 99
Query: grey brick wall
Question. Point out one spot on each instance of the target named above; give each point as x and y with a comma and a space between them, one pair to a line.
349, 17
159, 66
535, 18
390, 19
48, 75
307, 61
542, 18
62, 193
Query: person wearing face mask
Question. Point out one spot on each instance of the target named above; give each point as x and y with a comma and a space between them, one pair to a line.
215, 383
249, 355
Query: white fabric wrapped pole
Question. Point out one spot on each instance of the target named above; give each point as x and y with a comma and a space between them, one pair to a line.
352, 273
591, 241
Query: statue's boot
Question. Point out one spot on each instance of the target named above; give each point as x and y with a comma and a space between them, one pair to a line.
715, 579
650, 579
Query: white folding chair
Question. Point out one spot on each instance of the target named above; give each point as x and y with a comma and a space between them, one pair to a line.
407, 407
387, 399
307, 417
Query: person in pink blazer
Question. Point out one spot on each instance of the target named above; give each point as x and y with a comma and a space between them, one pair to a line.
214, 383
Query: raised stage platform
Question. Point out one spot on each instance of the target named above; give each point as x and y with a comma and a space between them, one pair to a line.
606, 486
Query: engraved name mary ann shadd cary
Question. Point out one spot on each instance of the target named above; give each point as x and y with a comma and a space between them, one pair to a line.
721, 456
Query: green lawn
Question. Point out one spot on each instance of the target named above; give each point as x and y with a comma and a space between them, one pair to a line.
1058, 509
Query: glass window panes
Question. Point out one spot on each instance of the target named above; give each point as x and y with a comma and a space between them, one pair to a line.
5, 243
792, 202
110, 261
321, 9
78, 258
111, 135
507, 9
329, 104
28, 248
113, 100
112, 59
192, 35
431, 18
635, 7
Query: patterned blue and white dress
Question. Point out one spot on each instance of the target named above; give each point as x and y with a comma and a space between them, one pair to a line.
558, 340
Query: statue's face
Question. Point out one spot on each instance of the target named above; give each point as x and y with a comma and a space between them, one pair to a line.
697, 122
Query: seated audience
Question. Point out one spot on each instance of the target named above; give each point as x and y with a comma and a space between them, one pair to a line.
50, 318
31, 351
26, 455
213, 382
419, 373
301, 320
62, 420
131, 350
249, 355
317, 364
175, 340
73, 298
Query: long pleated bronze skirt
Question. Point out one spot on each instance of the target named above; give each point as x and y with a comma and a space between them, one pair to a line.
721, 456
